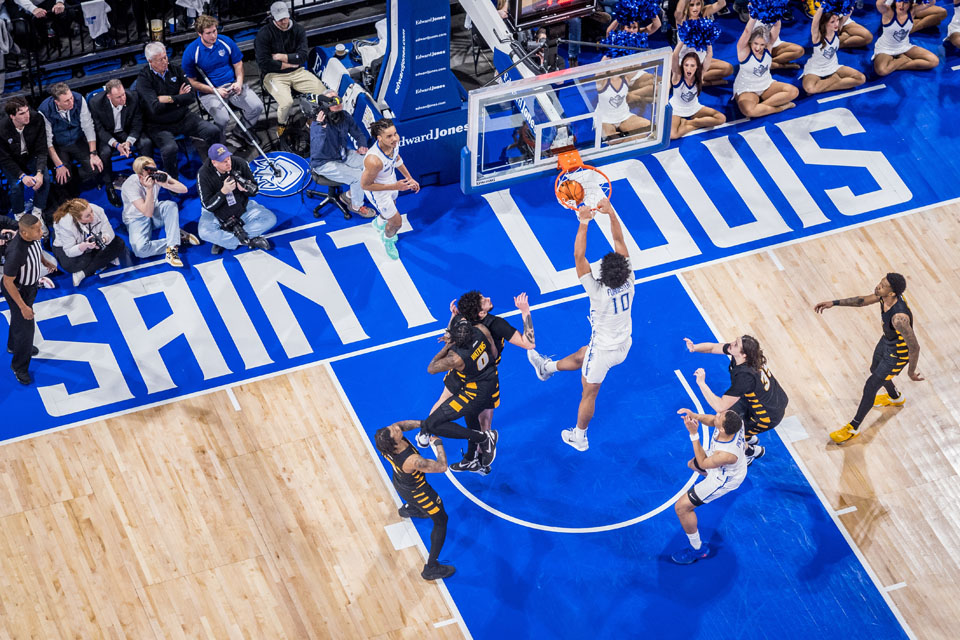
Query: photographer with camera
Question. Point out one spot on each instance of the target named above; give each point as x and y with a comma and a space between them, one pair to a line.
333, 156
143, 212
84, 241
228, 217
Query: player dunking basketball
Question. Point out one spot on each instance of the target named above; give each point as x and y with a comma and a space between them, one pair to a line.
897, 348
754, 392
420, 499
379, 181
611, 296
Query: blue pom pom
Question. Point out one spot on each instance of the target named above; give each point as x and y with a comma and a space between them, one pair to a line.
699, 33
623, 39
640, 11
839, 7
767, 11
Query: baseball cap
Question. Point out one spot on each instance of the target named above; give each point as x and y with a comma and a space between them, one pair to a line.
279, 11
218, 152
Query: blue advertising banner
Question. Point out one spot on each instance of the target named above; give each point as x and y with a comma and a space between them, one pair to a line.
416, 79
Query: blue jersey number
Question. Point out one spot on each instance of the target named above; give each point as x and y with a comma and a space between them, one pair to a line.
624, 303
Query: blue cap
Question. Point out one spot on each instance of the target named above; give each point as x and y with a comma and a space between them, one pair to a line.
218, 152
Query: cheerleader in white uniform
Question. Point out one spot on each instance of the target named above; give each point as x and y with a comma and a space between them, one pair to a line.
823, 72
853, 35
928, 16
953, 29
716, 71
755, 91
613, 110
642, 83
893, 51
687, 81
784, 53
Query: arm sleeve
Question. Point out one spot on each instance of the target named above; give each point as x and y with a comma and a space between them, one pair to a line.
299, 56
726, 348
210, 196
86, 122
46, 124
147, 94
182, 99
189, 68
68, 237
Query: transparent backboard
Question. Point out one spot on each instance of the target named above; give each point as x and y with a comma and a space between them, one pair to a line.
609, 108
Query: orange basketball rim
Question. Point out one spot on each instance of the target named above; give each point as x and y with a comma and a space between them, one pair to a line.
595, 183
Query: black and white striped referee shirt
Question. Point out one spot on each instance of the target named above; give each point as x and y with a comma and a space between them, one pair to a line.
23, 261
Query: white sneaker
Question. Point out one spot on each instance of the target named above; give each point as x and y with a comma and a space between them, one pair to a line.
753, 440
78, 278
423, 440
570, 437
539, 364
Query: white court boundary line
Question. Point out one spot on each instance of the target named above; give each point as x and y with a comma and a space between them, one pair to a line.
368, 446
436, 332
852, 93
600, 528
816, 489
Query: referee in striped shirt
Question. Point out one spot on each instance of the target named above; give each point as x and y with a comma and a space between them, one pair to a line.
22, 269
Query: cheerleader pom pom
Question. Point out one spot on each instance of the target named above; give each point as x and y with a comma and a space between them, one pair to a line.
623, 39
839, 7
698, 34
767, 11
640, 11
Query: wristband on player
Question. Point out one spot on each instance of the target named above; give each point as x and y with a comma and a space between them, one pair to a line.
694, 437
59, 166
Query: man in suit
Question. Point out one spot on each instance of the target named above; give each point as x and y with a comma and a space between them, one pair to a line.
166, 96
23, 155
119, 124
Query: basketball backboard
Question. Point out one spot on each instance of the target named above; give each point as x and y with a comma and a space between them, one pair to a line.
605, 110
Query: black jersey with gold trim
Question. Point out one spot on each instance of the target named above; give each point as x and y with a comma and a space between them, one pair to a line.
401, 479
886, 319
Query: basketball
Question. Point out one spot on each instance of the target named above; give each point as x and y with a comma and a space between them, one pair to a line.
571, 191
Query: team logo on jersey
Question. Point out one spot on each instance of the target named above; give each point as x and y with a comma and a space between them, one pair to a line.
829, 53
688, 96
291, 173
760, 69
616, 100
900, 35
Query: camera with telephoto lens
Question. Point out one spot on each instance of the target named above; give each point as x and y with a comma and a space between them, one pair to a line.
158, 176
96, 237
250, 186
234, 225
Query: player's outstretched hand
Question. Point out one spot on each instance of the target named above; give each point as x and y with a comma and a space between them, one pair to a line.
585, 214
691, 423
689, 344
522, 303
683, 413
435, 440
820, 307
915, 376
700, 375
453, 307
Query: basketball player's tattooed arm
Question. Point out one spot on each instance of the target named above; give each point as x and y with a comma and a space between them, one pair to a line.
408, 425
902, 324
445, 360
855, 301
419, 463
524, 340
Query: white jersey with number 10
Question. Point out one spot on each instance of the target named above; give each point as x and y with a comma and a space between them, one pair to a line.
609, 312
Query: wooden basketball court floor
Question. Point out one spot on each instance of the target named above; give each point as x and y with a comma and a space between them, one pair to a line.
260, 511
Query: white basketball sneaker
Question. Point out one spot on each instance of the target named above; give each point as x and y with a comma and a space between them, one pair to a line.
570, 437
539, 364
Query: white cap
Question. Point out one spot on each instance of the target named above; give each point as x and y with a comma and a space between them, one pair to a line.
279, 11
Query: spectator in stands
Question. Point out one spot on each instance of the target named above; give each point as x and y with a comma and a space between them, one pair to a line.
218, 59
71, 138
43, 19
281, 48
143, 212
331, 154
23, 155
166, 98
84, 241
228, 217
118, 119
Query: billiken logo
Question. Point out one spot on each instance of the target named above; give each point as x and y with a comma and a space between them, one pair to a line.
291, 171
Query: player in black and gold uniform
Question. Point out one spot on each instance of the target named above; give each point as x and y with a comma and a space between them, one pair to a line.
754, 392
476, 308
470, 352
420, 499
897, 348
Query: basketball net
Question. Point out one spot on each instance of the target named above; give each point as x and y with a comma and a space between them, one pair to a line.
596, 185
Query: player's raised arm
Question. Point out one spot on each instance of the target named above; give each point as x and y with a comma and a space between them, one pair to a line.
703, 347
445, 360
619, 244
526, 339
856, 301
416, 462
580, 244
